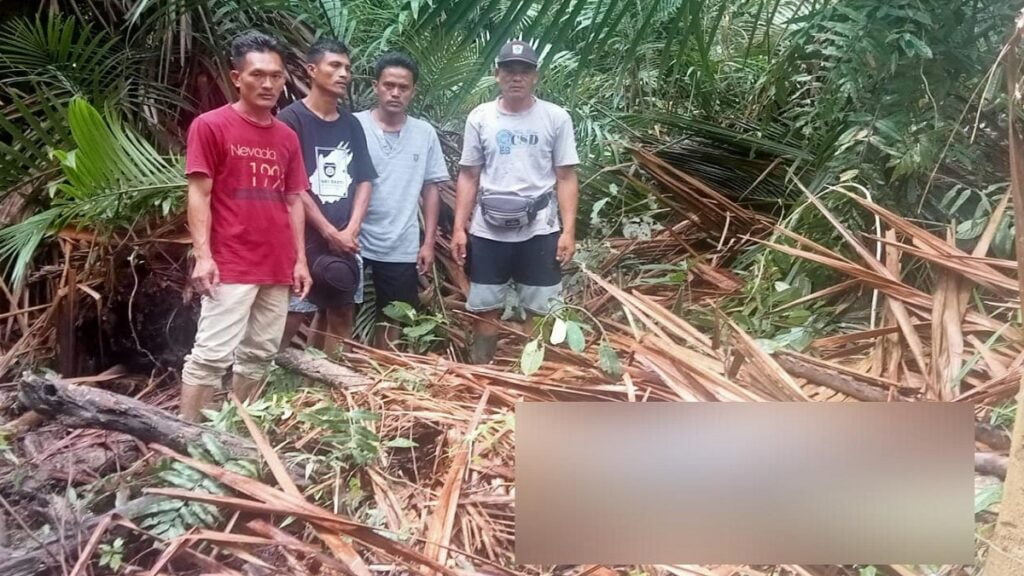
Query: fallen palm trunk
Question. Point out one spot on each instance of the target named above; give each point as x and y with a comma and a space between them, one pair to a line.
847, 382
31, 419
84, 407
46, 558
320, 369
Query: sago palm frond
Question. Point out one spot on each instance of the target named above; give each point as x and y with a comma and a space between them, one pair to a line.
31, 126
191, 34
67, 58
113, 179
59, 50
445, 69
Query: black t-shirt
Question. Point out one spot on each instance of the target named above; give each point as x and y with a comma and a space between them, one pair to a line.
336, 160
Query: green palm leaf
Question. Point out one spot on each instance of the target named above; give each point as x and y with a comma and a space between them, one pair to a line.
68, 58
30, 127
113, 179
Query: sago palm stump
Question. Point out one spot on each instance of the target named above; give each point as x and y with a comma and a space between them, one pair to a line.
85, 407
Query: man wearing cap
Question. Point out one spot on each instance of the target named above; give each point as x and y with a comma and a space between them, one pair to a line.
516, 199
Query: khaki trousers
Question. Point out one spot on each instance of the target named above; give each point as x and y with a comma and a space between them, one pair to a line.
243, 325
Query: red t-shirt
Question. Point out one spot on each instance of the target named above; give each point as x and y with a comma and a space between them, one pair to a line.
253, 168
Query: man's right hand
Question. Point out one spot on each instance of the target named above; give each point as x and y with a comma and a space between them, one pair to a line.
459, 241
343, 241
205, 276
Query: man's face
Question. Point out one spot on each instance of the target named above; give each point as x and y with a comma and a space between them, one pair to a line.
332, 73
260, 79
516, 79
395, 89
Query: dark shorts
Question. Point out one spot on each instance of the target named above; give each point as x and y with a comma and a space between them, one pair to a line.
532, 264
335, 279
393, 282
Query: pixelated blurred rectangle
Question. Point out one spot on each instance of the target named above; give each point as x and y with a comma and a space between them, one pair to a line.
744, 483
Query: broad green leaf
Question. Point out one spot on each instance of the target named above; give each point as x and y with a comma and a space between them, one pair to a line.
971, 229
532, 357
421, 329
558, 331
401, 311
595, 210
574, 336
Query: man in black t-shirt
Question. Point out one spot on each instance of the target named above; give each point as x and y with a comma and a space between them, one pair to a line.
341, 176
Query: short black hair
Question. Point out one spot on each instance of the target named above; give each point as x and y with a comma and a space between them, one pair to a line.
323, 46
397, 60
253, 41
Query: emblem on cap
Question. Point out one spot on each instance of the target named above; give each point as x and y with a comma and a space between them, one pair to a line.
517, 49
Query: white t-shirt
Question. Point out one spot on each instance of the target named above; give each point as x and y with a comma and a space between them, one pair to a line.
518, 153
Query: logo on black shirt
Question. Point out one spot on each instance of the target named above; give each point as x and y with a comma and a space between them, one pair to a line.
331, 179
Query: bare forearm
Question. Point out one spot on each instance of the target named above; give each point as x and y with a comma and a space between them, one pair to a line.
199, 220
465, 198
312, 213
568, 200
431, 207
296, 213
359, 205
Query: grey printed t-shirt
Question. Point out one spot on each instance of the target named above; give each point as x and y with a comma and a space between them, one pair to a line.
391, 228
519, 153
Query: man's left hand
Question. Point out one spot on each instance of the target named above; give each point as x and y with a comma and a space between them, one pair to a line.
566, 248
425, 260
301, 280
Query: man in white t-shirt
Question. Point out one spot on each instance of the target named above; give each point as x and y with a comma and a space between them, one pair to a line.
517, 177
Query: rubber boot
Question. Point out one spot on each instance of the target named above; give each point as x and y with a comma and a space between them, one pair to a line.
244, 387
481, 350
193, 400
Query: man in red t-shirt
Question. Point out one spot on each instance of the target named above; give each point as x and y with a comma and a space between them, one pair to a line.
245, 173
